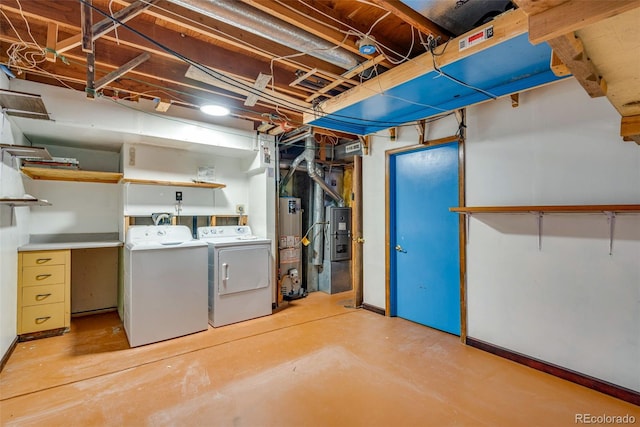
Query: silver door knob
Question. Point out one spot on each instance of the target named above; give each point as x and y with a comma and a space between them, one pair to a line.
399, 249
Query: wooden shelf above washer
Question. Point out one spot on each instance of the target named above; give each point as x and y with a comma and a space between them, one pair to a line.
72, 175
174, 183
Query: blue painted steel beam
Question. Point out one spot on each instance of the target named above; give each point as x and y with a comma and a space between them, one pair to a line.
512, 66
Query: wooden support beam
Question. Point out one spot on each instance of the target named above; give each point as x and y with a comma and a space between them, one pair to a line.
197, 74
357, 227
421, 128
52, 37
106, 25
515, 100
630, 128
557, 66
322, 150
413, 18
393, 133
122, 70
86, 19
570, 51
364, 140
573, 15
531, 7
347, 75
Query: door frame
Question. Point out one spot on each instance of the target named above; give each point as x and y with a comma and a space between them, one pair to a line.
462, 232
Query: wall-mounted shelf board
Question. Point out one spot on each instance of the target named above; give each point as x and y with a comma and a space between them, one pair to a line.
23, 151
546, 209
13, 202
174, 183
72, 175
609, 210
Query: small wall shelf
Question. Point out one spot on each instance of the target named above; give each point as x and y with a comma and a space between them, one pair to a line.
609, 210
15, 202
547, 209
22, 151
174, 183
72, 175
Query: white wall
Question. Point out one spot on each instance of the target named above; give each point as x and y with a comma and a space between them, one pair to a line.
571, 303
76, 207
373, 201
169, 164
13, 232
262, 197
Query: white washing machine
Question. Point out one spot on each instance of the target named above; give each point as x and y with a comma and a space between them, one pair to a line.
165, 284
239, 274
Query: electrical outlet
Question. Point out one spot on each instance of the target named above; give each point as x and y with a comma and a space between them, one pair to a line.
132, 156
179, 196
240, 209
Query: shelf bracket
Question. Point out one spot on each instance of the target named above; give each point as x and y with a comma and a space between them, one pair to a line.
539, 215
611, 219
467, 219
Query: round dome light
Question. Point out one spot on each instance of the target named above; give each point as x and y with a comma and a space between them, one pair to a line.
214, 110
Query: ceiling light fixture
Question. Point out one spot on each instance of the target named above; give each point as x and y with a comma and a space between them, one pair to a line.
214, 110
366, 45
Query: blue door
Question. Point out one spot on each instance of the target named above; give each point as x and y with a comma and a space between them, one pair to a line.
424, 245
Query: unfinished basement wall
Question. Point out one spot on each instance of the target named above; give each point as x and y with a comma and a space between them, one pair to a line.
571, 303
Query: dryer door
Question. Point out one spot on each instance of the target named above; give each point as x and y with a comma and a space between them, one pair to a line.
242, 268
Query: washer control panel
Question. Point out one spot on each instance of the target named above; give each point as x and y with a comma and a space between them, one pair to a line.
224, 231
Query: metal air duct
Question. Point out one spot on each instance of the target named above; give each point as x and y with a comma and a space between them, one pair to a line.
264, 25
314, 171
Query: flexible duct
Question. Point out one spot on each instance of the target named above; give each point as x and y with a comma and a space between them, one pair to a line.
264, 25
313, 170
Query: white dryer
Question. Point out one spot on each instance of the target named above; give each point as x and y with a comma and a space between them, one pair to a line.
165, 284
239, 274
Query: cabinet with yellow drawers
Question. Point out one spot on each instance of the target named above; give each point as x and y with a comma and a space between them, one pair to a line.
44, 291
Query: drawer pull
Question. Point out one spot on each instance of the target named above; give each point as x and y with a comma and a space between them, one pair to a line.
42, 297
41, 320
42, 276
43, 260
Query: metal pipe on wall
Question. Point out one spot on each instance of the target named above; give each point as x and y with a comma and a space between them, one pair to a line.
318, 227
315, 172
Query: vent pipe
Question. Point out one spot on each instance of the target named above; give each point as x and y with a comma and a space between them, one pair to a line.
314, 171
264, 25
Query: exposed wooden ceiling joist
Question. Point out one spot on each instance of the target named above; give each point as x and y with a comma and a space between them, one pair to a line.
99, 84
570, 51
103, 27
414, 18
571, 16
245, 90
630, 128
